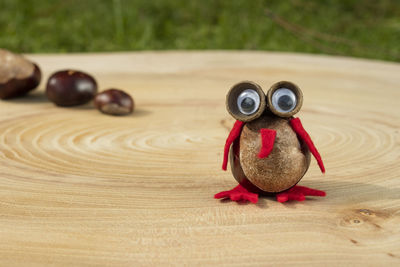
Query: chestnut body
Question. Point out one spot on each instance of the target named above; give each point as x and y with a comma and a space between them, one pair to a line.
282, 169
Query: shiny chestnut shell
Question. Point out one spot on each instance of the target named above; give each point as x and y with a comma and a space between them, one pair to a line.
114, 102
71, 88
18, 75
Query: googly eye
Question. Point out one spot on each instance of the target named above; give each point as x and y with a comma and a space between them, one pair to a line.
284, 100
248, 102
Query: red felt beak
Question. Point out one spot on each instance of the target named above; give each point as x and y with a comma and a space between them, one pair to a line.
267, 142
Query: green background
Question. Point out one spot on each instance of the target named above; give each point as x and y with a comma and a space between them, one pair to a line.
364, 28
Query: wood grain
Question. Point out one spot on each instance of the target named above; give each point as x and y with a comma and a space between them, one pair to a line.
78, 187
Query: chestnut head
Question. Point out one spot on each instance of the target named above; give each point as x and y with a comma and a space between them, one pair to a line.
246, 100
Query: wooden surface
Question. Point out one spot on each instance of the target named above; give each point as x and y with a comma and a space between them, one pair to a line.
81, 188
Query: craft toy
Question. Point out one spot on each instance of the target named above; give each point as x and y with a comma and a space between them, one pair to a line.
269, 148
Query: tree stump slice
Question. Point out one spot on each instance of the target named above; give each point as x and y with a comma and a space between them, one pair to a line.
78, 187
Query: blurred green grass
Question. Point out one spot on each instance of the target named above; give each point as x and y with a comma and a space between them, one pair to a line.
363, 28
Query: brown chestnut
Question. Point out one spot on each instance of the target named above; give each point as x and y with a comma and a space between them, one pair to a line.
71, 88
18, 75
114, 102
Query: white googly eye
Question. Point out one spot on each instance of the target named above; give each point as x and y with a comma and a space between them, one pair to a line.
248, 102
284, 100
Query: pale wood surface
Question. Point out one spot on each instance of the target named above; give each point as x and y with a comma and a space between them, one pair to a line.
81, 188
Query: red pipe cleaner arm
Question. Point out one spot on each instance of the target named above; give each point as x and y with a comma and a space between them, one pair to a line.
235, 133
298, 128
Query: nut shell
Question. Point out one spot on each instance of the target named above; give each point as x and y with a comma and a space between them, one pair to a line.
18, 75
114, 102
282, 169
71, 88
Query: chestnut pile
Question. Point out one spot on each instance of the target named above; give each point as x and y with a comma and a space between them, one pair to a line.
64, 88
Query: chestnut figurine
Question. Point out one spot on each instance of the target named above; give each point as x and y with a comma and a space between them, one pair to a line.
71, 88
18, 75
269, 148
114, 102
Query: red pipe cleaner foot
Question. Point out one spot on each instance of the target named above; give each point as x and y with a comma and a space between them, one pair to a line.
238, 194
298, 193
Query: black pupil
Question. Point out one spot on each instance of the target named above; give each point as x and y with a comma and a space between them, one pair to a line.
247, 104
285, 102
